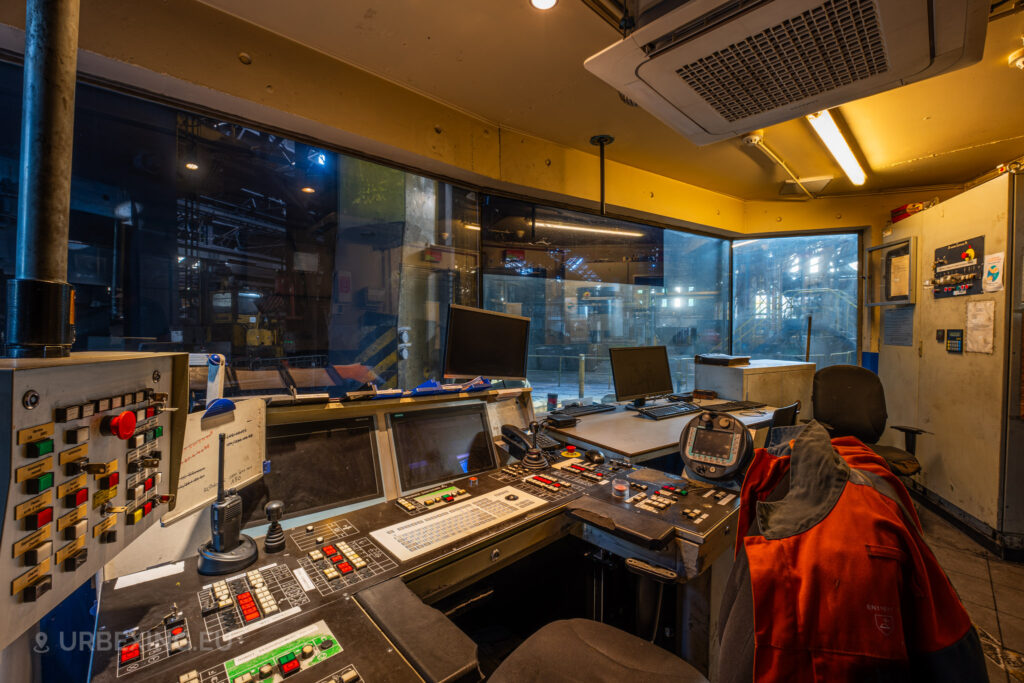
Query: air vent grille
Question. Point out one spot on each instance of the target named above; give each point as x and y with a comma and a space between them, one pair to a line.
821, 49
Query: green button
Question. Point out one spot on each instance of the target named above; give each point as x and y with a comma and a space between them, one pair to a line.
158, 431
286, 658
37, 448
40, 483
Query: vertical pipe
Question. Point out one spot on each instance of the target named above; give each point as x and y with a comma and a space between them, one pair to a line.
602, 141
39, 297
807, 350
582, 373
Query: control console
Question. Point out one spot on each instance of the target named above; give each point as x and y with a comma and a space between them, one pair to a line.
91, 461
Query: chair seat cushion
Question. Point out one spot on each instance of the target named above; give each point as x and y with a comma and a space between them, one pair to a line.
900, 462
584, 650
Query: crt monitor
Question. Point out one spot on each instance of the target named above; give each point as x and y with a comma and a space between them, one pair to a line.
441, 444
640, 371
315, 466
485, 344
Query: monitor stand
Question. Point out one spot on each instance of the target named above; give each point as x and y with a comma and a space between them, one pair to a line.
646, 402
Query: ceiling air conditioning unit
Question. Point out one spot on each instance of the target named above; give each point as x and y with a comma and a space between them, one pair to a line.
714, 69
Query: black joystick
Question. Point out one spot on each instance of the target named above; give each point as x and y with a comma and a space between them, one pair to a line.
274, 541
534, 458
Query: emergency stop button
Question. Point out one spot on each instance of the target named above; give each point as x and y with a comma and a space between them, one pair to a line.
122, 425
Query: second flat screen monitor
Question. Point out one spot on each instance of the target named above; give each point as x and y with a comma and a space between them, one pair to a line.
433, 446
640, 371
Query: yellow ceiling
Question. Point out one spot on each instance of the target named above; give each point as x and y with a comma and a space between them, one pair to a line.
522, 69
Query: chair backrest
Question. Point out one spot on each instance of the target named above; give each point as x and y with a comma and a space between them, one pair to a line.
851, 400
785, 416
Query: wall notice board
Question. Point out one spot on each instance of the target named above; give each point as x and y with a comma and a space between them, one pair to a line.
244, 453
958, 268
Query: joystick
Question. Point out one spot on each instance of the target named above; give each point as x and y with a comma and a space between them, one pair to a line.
274, 541
534, 458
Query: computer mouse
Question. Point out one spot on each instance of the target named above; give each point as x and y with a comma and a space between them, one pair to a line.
594, 456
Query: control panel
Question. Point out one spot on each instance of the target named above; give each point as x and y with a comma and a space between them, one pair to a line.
716, 446
88, 467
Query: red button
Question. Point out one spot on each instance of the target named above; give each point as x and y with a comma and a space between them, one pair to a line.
177, 630
344, 567
335, 559
570, 448
329, 550
147, 508
79, 497
149, 483
150, 411
251, 616
290, 667
122, 426
39, 519
130, 653
110, 481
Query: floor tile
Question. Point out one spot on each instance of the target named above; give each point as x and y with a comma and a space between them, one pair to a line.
972, 589
1007, 573
939, 532
1012, 628
960, 561
995, 674
1009, 600
984, 618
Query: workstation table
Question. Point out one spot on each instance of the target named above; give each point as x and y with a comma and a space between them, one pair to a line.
627, 433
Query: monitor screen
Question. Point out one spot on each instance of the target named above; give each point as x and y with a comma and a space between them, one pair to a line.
316, 466
485, 344
640, 371
712, 443
433, 446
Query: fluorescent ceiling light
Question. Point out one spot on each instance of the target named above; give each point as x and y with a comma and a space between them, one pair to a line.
471, 226
826, 128
737, 245
583, 228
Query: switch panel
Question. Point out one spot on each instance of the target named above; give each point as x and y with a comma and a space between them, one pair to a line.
72, 502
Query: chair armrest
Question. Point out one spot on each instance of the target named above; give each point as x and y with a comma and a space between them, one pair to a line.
910, 437
910, 430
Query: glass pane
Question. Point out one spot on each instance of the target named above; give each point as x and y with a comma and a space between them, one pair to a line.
589, 283
779, 282
309, 270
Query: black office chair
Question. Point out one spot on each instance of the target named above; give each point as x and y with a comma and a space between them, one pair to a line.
849, 401
585, 650
782, 417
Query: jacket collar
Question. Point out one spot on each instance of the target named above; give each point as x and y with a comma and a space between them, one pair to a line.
817, 478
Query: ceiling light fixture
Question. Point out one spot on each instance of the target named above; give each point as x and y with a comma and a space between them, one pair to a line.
192, 166
583, 228
543, 4
825, 126
309, 190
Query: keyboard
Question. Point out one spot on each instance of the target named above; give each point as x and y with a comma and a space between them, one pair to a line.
576, 411
670, 410
729, 406
434, 530
546, 443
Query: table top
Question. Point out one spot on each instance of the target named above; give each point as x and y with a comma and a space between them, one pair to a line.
629, 433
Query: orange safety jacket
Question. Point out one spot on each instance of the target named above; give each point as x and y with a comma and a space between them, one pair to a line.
844, 588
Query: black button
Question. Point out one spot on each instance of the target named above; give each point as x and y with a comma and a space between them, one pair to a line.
511, 496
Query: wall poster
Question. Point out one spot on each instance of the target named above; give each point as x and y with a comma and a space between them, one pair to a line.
958, 268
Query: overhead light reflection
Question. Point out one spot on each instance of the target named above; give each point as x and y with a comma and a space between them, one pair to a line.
583, 228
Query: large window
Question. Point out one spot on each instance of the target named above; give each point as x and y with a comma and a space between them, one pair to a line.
308, 269
589, 284
779, 282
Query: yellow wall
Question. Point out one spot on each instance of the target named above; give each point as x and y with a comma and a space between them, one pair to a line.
189, 51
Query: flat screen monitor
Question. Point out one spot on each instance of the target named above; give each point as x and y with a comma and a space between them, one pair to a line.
485, 344
438, 445
640, 371
316, 466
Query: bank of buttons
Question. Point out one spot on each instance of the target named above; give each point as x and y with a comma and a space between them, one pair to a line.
247, 605
343, 554
221, 594
263, 596
288, 665
129, 653
190, 677
406, 504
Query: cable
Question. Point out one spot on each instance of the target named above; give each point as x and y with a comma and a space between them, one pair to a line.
657, 613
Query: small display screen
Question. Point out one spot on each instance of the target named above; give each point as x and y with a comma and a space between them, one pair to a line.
640, 371
433, 446
485, 344
315, 466
712, 444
